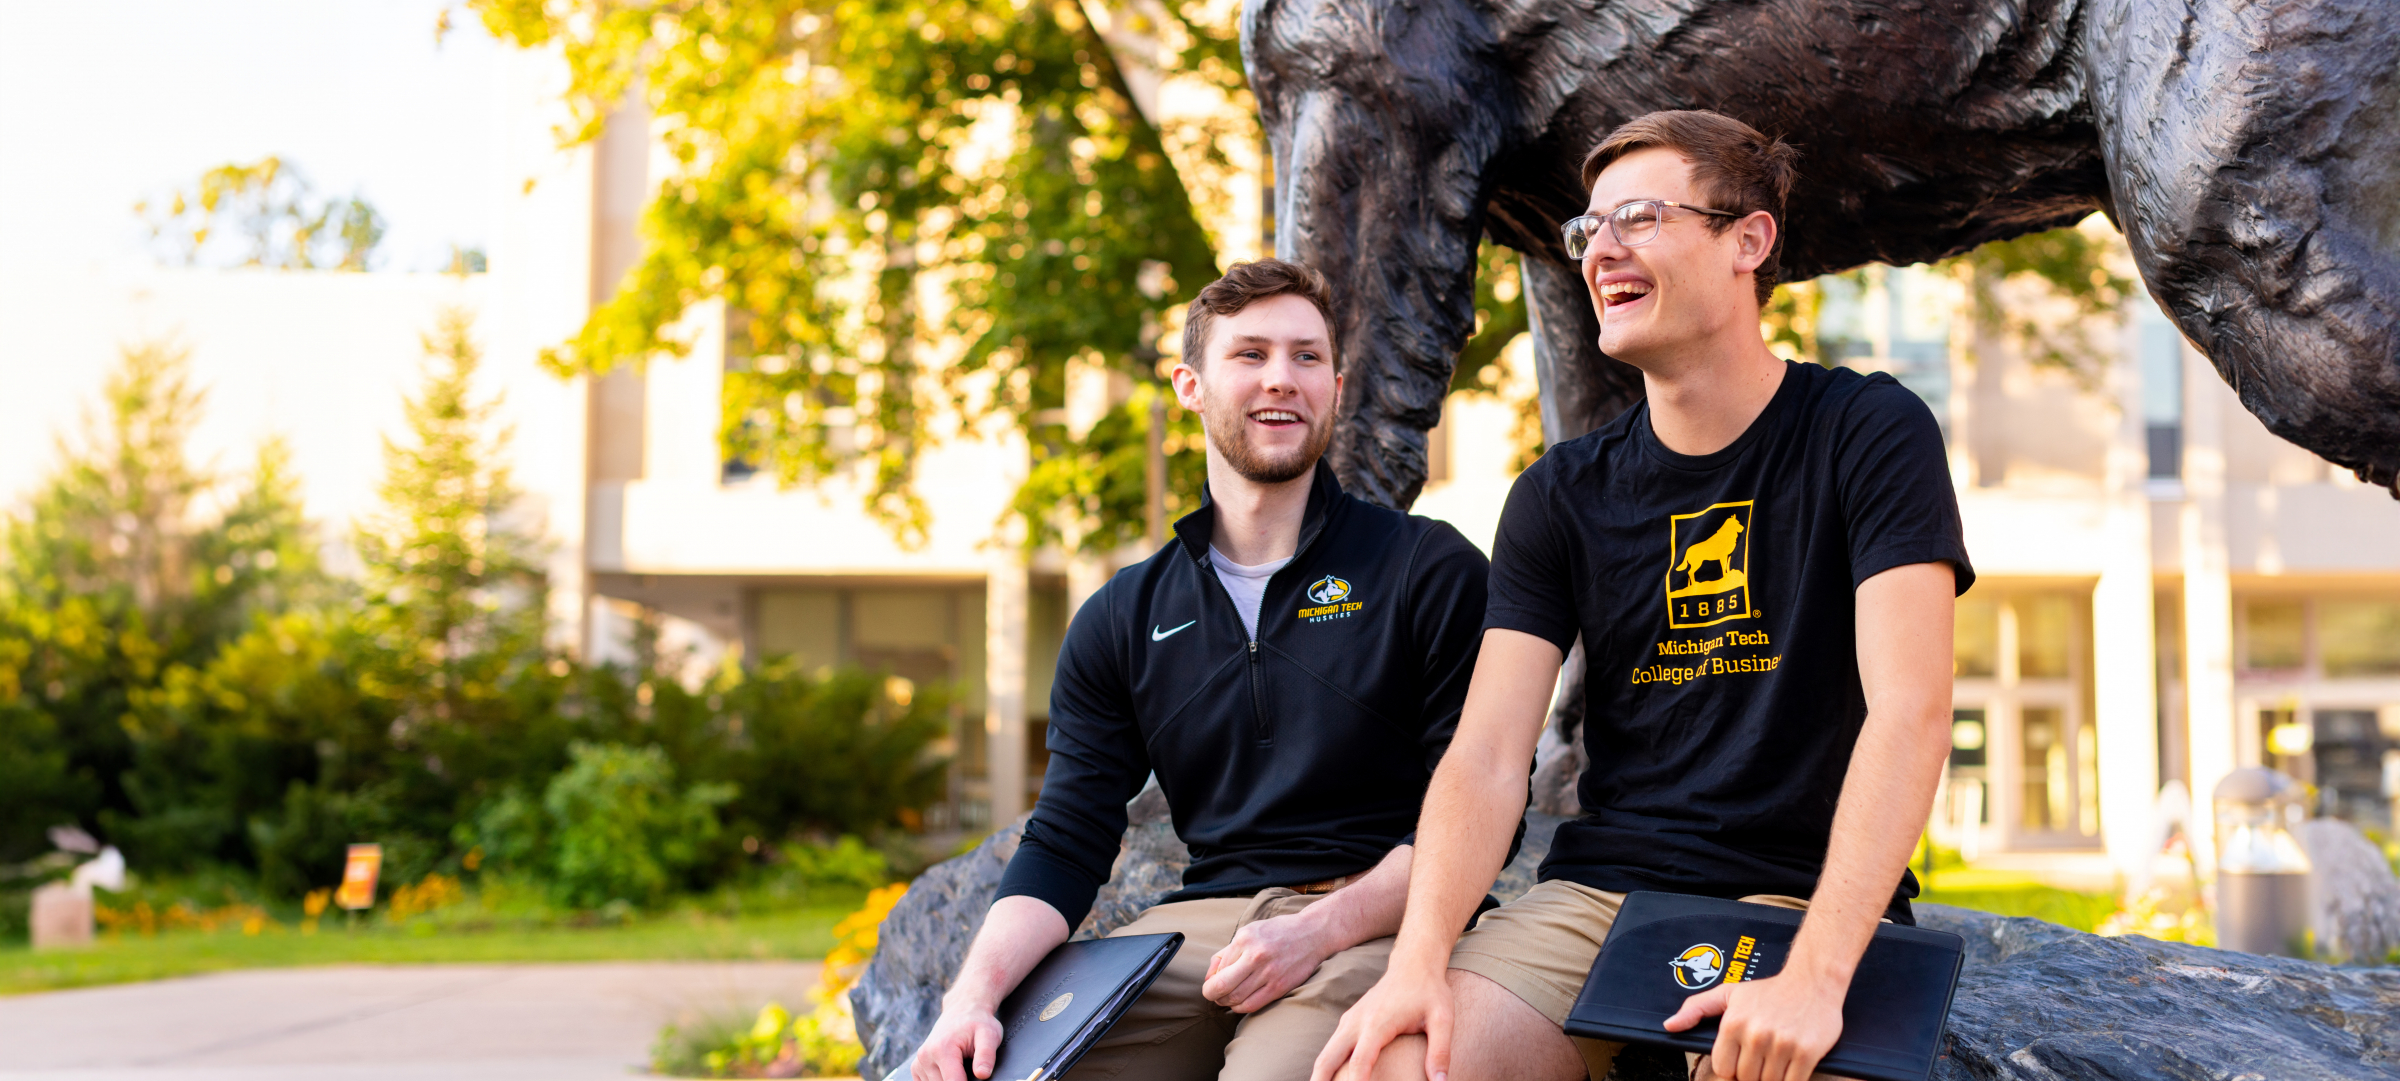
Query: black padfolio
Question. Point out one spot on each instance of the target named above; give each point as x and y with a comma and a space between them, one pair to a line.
1666, 947
1071, 999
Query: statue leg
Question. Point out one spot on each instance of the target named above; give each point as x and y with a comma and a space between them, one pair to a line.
1382, 118
1582, 389
2253, 170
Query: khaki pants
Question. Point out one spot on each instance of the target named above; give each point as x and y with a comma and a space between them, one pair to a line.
1173, 1034
1541, 947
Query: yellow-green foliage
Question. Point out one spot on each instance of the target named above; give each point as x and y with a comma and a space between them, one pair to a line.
834, 155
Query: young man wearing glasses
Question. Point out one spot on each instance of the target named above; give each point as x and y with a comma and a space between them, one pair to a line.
1761, 561
1291, 665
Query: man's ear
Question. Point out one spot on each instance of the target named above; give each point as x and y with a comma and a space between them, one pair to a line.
1754, 240
1187, 386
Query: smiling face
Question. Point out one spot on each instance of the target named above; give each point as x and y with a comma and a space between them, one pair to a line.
1690, 284
1266, 389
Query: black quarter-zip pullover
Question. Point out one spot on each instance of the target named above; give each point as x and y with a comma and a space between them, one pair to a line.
1296, 756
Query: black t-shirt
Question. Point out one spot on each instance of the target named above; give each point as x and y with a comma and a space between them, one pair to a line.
1715, 596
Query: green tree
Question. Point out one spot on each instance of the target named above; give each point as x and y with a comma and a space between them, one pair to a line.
262, 214
434, 692
113, 580
844, 160
2072, 264
454, 584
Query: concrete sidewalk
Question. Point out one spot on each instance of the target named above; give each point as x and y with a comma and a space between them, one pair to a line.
549, 1022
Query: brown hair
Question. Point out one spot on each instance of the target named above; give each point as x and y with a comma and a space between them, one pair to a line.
1736, 168
1248, 283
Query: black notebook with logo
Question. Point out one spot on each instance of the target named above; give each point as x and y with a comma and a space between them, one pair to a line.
1071, 999
1666, 947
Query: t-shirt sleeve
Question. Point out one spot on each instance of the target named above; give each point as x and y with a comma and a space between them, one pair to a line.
1530, 586
1446, 611
1894, 478
1097, 763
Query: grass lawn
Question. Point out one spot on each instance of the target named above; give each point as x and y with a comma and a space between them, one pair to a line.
2012, 894
801, 933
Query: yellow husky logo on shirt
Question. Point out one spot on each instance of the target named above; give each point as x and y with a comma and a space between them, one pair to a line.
1333, 600
1709, 581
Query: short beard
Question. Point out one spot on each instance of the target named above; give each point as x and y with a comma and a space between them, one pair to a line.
1254, 465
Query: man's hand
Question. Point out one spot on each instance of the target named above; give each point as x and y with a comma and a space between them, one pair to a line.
1016, 935
1266, 960
1400, 1004
1775, 1029
960, 1034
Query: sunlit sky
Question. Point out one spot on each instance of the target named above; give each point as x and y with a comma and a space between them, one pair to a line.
104, 102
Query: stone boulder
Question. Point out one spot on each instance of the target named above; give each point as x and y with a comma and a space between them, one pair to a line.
2036, 1001
2042, 1002
2353, 899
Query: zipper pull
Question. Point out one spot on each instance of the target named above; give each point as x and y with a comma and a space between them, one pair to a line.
1254, 646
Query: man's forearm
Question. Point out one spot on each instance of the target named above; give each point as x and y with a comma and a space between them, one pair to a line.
1885, 798
1016, 935
1470, 813
1478, 795
1904, 641
1367, 909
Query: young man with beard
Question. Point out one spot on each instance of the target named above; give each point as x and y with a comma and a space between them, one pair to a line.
1291, 666
1761, 560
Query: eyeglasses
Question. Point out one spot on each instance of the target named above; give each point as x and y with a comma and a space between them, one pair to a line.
1634, 224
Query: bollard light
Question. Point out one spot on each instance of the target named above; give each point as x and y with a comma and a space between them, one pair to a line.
2262, 874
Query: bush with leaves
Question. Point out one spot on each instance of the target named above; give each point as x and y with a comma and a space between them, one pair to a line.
194, 690
613, 826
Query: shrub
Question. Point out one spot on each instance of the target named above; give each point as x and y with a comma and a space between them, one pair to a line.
835, 753
846, 862
611, 827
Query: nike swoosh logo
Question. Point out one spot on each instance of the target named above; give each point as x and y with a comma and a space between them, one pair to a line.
1157, 635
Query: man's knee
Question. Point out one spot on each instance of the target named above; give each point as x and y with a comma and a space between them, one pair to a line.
1494, 1033
1402, 1060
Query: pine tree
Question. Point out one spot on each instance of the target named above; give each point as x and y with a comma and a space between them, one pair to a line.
111, 582
456, 586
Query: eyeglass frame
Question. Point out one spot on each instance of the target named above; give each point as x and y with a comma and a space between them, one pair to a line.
1609, 220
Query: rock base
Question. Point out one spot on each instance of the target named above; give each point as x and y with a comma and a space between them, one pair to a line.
2037, 1001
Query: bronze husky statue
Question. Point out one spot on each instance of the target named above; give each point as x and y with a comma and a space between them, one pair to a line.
2249, 149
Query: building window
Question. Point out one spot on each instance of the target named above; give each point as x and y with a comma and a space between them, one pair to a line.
1894, 320
1976, 653
2024, 760
2273, 635
1970, 740
2349, 748
2317, 674
2162, 394
2359, 638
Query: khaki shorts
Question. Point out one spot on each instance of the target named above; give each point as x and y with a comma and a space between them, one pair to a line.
1541, 947
1173, 1034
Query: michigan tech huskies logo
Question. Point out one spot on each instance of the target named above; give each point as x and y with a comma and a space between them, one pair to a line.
1709, 581
1698, 966
1332, 597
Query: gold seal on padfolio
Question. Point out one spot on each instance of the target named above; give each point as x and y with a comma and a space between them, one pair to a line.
1057, 1005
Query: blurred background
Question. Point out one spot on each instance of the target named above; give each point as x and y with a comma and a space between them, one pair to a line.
636, 465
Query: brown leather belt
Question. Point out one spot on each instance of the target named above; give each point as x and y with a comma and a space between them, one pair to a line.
1329, 885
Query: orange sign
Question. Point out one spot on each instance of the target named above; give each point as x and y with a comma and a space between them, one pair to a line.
358, 877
